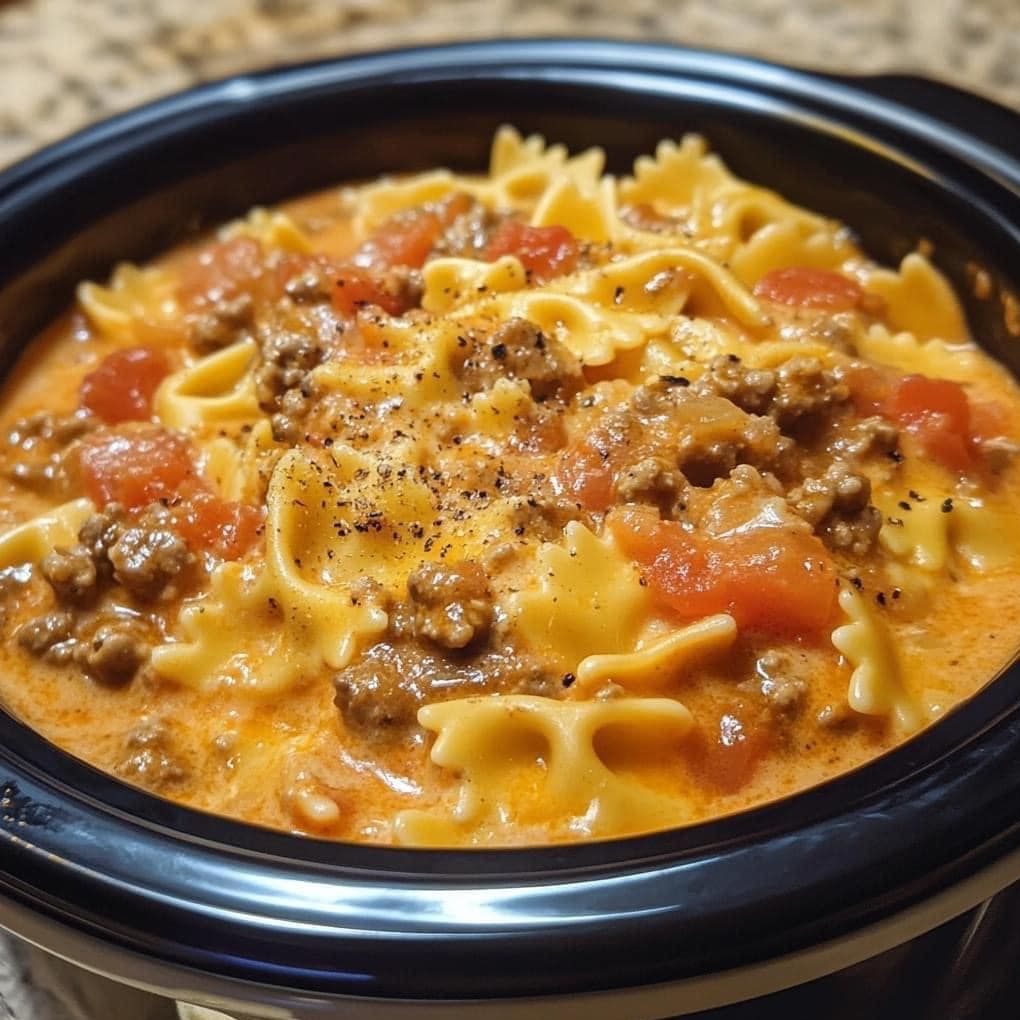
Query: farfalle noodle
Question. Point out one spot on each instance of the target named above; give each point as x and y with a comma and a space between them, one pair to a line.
536, 505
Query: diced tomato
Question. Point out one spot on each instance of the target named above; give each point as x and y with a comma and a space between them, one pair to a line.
122, 387
945, 424
134, 468
546, 252
725, 757
404, 240
583, 474
916, 396
225, 528
352, 287
937, 413
804, 287
222, 270
357, 288
772, 579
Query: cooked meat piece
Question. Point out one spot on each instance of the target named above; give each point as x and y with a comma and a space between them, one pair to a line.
41, 444
45, 633
404, 284
225, 323
856, 534
805, 389
702, 432
149, 555
751, 389
376, 696
45, 475
468, 235
287, 422
655, 481
452, 603
704, 459
153, 759
72, 574
782, 690
101, 530
309, 287
865, 437
520, 350
837, 506
380, 693
544, 516
114, 653
287, 358
27, 432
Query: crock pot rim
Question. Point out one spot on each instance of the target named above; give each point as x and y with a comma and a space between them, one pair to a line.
36, 803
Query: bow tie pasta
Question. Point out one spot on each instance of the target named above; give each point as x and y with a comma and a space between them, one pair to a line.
517, 508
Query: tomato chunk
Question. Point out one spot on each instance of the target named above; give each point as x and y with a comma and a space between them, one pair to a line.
222, 270
772, 579
725, 757
546, 252
803, 287
122, 387
357, 288
134, 468
937, 413
225, 528
404, 240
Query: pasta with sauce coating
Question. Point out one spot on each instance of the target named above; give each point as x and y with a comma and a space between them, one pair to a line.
520, 508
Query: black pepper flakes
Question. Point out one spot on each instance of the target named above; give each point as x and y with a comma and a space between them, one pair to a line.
904, 505
568, 679
947, 506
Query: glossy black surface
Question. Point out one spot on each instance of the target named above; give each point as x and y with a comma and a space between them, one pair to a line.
100, 858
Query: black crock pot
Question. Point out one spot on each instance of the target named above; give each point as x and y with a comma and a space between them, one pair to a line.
266, 924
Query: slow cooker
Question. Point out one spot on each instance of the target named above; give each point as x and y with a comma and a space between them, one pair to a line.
880, 892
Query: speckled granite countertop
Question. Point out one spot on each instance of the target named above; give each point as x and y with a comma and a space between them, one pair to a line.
66, 62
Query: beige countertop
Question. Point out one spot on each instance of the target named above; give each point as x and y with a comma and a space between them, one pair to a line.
64, 63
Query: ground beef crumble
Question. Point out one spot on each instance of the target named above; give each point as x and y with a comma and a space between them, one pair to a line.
518, 349
452, 603
837, 505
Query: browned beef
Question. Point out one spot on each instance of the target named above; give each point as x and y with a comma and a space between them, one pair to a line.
520, 350
452, 603
380, 693
153, 758
149, 556
114, 653
837, 505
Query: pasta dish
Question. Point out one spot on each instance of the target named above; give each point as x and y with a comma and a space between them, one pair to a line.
531, 507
